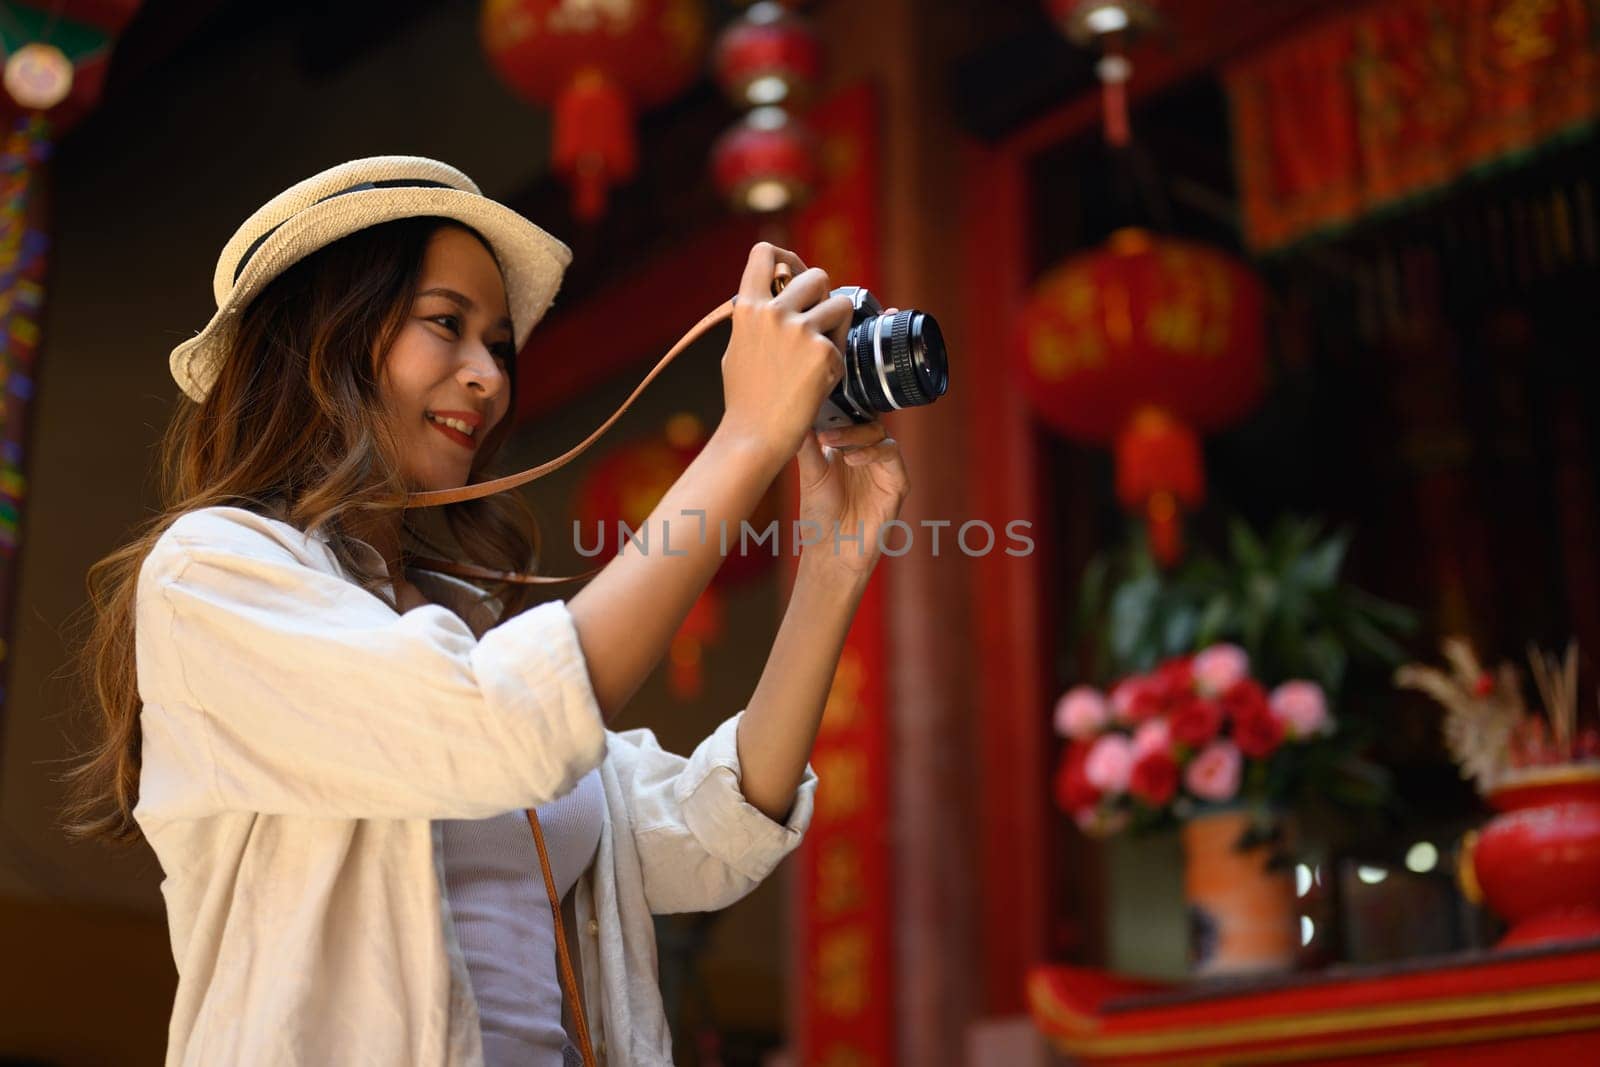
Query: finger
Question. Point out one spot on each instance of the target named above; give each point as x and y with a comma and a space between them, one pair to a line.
847, 437
807, 289
755, 285
887, 449
831, 317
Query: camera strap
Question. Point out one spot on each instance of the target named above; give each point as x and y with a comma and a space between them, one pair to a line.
435, 497
569, 979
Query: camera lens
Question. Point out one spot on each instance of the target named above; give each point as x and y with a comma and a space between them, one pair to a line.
897, 361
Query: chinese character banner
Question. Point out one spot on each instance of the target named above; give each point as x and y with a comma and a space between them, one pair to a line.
1373, 107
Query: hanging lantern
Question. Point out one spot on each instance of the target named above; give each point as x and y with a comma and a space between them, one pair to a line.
56, 57
1142, 344
1087, 21
1108, 24
38, 76
626, 485
630, 481
767, 56
766, 162
595, 65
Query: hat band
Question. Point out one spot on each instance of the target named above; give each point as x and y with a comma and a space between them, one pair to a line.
387, 183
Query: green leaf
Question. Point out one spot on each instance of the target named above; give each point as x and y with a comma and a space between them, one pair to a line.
1131, 614
1246, 549
1215, 621
1325, 660
1179, 633
1379, 644
1319, 568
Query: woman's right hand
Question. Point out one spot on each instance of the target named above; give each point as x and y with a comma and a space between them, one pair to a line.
784, 357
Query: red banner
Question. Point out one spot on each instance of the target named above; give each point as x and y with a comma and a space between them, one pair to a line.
1399, 98
844, 938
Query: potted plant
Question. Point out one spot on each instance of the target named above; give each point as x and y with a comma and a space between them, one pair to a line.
1219, 719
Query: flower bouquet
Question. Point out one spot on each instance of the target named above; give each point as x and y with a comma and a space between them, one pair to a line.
1198, 730
1537, 863
1200, 741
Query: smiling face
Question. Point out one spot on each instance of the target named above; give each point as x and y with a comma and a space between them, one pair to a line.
446, 380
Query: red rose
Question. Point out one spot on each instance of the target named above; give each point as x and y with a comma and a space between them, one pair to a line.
1073, 791
1196, 721
1135, 699
1258, 733
1154, 779
1175, 678
1245, 698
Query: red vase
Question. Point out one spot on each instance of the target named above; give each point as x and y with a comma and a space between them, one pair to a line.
1538, 862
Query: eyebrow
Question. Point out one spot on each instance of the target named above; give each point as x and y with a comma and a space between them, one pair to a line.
461, 299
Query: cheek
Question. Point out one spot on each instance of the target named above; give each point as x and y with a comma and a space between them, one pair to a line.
410, 371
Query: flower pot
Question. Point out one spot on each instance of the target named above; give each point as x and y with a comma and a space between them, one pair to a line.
1242, 913
1537, 863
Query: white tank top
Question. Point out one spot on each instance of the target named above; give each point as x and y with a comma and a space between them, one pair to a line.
502, 917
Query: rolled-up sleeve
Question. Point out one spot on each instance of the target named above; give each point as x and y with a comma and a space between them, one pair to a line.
309, 695
701, 844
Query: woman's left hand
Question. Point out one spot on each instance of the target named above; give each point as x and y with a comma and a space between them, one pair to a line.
852, 481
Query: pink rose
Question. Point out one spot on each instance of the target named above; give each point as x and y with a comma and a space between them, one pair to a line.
1109, 764
1302, 708
1153, 736
1214, 773
1081, 712
1123, 696
1218, 667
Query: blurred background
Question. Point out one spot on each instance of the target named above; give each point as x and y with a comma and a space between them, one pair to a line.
1266, 325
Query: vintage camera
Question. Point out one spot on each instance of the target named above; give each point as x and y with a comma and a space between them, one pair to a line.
891, 362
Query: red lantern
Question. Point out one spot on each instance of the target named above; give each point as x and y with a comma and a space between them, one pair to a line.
766, 162
594, 64
1141, 344
626, 485
767, 56
1110, 23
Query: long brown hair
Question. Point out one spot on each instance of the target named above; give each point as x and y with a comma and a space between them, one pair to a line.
294, 429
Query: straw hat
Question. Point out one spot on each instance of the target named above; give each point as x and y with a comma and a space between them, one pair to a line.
350, 197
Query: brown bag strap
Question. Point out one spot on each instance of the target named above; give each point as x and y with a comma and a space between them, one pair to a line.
435, 497
569, 980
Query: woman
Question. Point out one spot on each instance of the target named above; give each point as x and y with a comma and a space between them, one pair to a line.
330, 752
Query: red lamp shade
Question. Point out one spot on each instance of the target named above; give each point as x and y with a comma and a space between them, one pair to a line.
594, 64
1142, 344
766, 162
767, 56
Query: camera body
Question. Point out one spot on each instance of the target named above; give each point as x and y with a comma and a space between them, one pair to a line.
891, 362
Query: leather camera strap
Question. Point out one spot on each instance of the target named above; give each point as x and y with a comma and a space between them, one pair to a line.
781, 277
569, 980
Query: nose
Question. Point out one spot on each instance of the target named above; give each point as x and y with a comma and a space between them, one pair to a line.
482, 373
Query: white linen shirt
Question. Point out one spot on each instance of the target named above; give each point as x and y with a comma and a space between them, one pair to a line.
301, 743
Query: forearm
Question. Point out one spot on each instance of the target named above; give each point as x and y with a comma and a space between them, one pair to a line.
781, 721
627, 614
